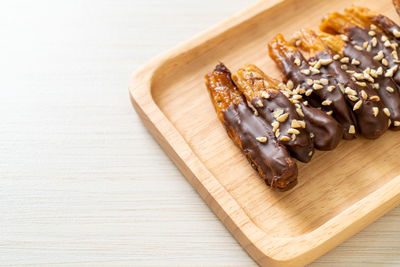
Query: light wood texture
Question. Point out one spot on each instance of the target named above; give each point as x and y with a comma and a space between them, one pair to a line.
82, 182
339, 193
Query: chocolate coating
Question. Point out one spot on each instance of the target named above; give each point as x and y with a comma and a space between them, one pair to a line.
368, 125
326, 131
270, 159
389, 99
285, 61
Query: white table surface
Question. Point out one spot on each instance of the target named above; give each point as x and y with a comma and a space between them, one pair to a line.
82, 182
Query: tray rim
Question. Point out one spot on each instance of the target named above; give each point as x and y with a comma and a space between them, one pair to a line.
265, 250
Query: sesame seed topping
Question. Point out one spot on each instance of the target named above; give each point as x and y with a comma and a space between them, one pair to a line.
290, 85
375, 110
375, 98
300, 112
295, 124
359, 76
259, 103
385, 62
352, 129
396, 33
384, 38
391, 71
312, 135
365, 44
317, 86
305, 71
343, 67
309, 92
375, 85
282, 117
386, 111
341, 87
297, 97
310, 153
379, 56
350, 71
336, 57
293, 131
326, 61
277, 133
282, 86
275, 126
395, 55
369, 48
318, 64
390, 89
294, 137
297, 61
326, 102
345, 60
387, 43
262, 139
373, 27
374, 41
312, 63
379, 71
324, 81
278, 112
355, 62
350, 91
329, 113
357, 105
371, 33
359, 48
331, 88
396, 123
303, 124
364, 95
285, 138
363, 84
309, 82
352, 97
314, 70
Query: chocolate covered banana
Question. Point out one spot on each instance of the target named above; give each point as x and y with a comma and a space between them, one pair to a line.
317, 86
348, 79
250, 132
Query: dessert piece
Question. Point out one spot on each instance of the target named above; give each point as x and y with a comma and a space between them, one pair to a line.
374, 71
250, 132
349, 79
275, 108
311, 126
384, 47
315, 82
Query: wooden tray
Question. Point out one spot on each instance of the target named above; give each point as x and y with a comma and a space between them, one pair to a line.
339, 192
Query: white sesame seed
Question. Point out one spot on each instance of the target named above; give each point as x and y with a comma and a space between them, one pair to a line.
329, 113
384, 38
352, 97
359, 48
303, 124
350, 71
373, 27
265, 95
262, 139
352, 129
318, 64
379, 56
363, 84
282, 117
387, 43
385, 62
395, 55
375, 110
297, 97
314, 70
293, 131
326, 102
297, 61
345, 60
343, 67
325, 61
277, 133
285, 138
375, 98
275, 126
386, 111
336, 57
391, 71
312, 135
324, 81
374, 42
350, 91
317, 86
375, 85
357, 105
371, 33
396, 123
309, 82
331, 88
390, 89
359, 76
290, 85
300, 112
355, 62
305, 71
295, 124
294, 137
309, 92
341, 87
396, 33
364, 95
379, 71
365, 44
259, 103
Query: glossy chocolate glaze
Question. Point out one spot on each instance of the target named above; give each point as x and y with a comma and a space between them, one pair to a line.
339, 107
367, 124
386, 24
270, 159
302, 147
389, 99
326, 131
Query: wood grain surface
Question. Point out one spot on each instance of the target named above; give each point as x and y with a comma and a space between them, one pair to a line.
82, 183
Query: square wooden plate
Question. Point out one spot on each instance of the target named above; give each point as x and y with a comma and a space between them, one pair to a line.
339, 192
